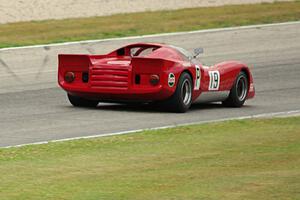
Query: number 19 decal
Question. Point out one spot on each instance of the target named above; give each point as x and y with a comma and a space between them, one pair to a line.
214, 80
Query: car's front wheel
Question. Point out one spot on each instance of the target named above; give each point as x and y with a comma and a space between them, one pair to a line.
81, 102
182, 98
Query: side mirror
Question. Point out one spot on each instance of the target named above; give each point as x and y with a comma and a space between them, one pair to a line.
198, 51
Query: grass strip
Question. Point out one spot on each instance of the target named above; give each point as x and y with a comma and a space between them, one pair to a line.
121, 25
244, 159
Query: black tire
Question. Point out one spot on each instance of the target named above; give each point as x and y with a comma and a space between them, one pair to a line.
238, 92
181, 100
81, 102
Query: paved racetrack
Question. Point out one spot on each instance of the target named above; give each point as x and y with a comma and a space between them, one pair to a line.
40, 112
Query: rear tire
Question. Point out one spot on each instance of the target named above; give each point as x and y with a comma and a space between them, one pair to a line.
181, 100
81, 102
238, 92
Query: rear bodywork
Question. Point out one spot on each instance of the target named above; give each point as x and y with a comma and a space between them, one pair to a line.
122, 76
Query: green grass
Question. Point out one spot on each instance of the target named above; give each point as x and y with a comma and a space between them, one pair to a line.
55, 31
246, 159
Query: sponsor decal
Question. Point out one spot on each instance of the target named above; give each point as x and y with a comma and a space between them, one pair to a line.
214, 80
198, 77
171, 80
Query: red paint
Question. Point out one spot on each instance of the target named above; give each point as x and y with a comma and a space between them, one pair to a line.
125, 75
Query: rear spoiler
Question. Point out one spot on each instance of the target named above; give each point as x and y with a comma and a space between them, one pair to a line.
77, 60
139, 64
73, 61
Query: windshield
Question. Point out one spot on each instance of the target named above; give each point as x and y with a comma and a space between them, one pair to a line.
186, 54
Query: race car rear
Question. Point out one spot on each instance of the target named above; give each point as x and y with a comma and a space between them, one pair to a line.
114, 78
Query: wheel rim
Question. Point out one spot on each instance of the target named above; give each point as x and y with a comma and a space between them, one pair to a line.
241, 88
186, 91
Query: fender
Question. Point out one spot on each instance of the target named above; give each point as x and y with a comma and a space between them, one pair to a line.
177, 70
229, 71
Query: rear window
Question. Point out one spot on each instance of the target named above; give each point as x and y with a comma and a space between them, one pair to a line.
142, 51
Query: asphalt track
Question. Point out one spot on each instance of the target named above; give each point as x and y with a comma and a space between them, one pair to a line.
35, 111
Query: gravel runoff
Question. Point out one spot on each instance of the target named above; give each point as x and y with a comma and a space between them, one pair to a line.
28, 10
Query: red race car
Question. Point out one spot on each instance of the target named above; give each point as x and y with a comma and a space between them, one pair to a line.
150, 72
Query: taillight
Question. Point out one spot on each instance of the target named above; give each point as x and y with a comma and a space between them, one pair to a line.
154, 79
69, 77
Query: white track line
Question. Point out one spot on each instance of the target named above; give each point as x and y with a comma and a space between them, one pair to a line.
154, 35
263, 115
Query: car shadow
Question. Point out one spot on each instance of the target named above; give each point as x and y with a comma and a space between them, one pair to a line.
131, 108
154, 108
118, 107
205, 106
211, 106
